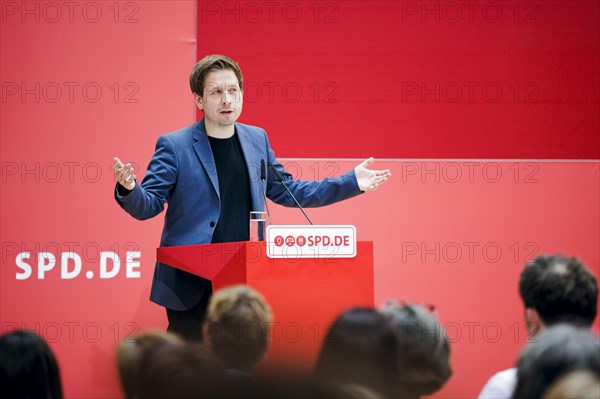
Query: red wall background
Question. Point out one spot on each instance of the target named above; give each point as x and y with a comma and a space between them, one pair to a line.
483, 180
416, 79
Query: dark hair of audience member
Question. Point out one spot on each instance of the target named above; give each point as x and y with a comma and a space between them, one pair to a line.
28, 368
238, 321
181, 372
422, 352
557, 351
560, 289
130, 353
575, 385
358, 349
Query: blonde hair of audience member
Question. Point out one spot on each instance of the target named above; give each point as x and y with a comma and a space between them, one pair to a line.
575, 385
423, 351
130, 353
238, 323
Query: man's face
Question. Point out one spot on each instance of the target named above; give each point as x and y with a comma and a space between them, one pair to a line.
222, 99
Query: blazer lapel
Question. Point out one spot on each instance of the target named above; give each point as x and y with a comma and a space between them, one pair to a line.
253, 166
202, 148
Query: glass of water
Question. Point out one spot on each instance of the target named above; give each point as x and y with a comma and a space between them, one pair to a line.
258, 225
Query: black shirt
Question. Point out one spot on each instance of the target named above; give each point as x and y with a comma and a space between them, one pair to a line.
234, 190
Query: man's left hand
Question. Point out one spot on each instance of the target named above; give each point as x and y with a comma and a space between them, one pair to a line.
369, 180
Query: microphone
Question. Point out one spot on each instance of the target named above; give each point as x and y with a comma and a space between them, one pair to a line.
280, 178
263, 178
263, 170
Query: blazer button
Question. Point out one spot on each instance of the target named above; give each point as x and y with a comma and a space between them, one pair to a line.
212, 224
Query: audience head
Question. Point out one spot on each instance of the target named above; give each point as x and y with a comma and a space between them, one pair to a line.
422, 351
358, 349
239, 321
557, 289
575, 385
130, 354
180, 372
559, 350
28, 368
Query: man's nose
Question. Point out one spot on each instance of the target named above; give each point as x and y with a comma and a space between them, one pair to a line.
227, 98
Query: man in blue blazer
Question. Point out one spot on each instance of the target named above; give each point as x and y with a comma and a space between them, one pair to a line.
209, 174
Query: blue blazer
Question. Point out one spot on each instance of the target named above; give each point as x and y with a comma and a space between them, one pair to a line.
183, 174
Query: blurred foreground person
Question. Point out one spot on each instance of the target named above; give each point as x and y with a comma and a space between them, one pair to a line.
558, 351
28, 368
131, 352
359, 351
181, 372
554, 289
422, 352
575, 385
238, 323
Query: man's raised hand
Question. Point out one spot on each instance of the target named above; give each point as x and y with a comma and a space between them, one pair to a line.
369, 180
123, 174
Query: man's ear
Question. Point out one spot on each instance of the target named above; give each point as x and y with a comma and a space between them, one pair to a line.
534, 321
198, 101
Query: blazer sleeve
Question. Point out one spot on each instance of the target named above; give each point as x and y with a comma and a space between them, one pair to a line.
148, 199
308, 193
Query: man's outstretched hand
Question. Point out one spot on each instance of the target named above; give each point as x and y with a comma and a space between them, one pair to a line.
123, 174
369, 180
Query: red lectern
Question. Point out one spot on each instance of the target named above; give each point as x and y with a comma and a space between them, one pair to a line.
306, 295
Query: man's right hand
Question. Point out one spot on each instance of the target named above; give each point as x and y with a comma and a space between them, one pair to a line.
124, 174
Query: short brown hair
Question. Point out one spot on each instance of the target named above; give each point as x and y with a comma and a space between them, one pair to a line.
239, 321
214, 62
